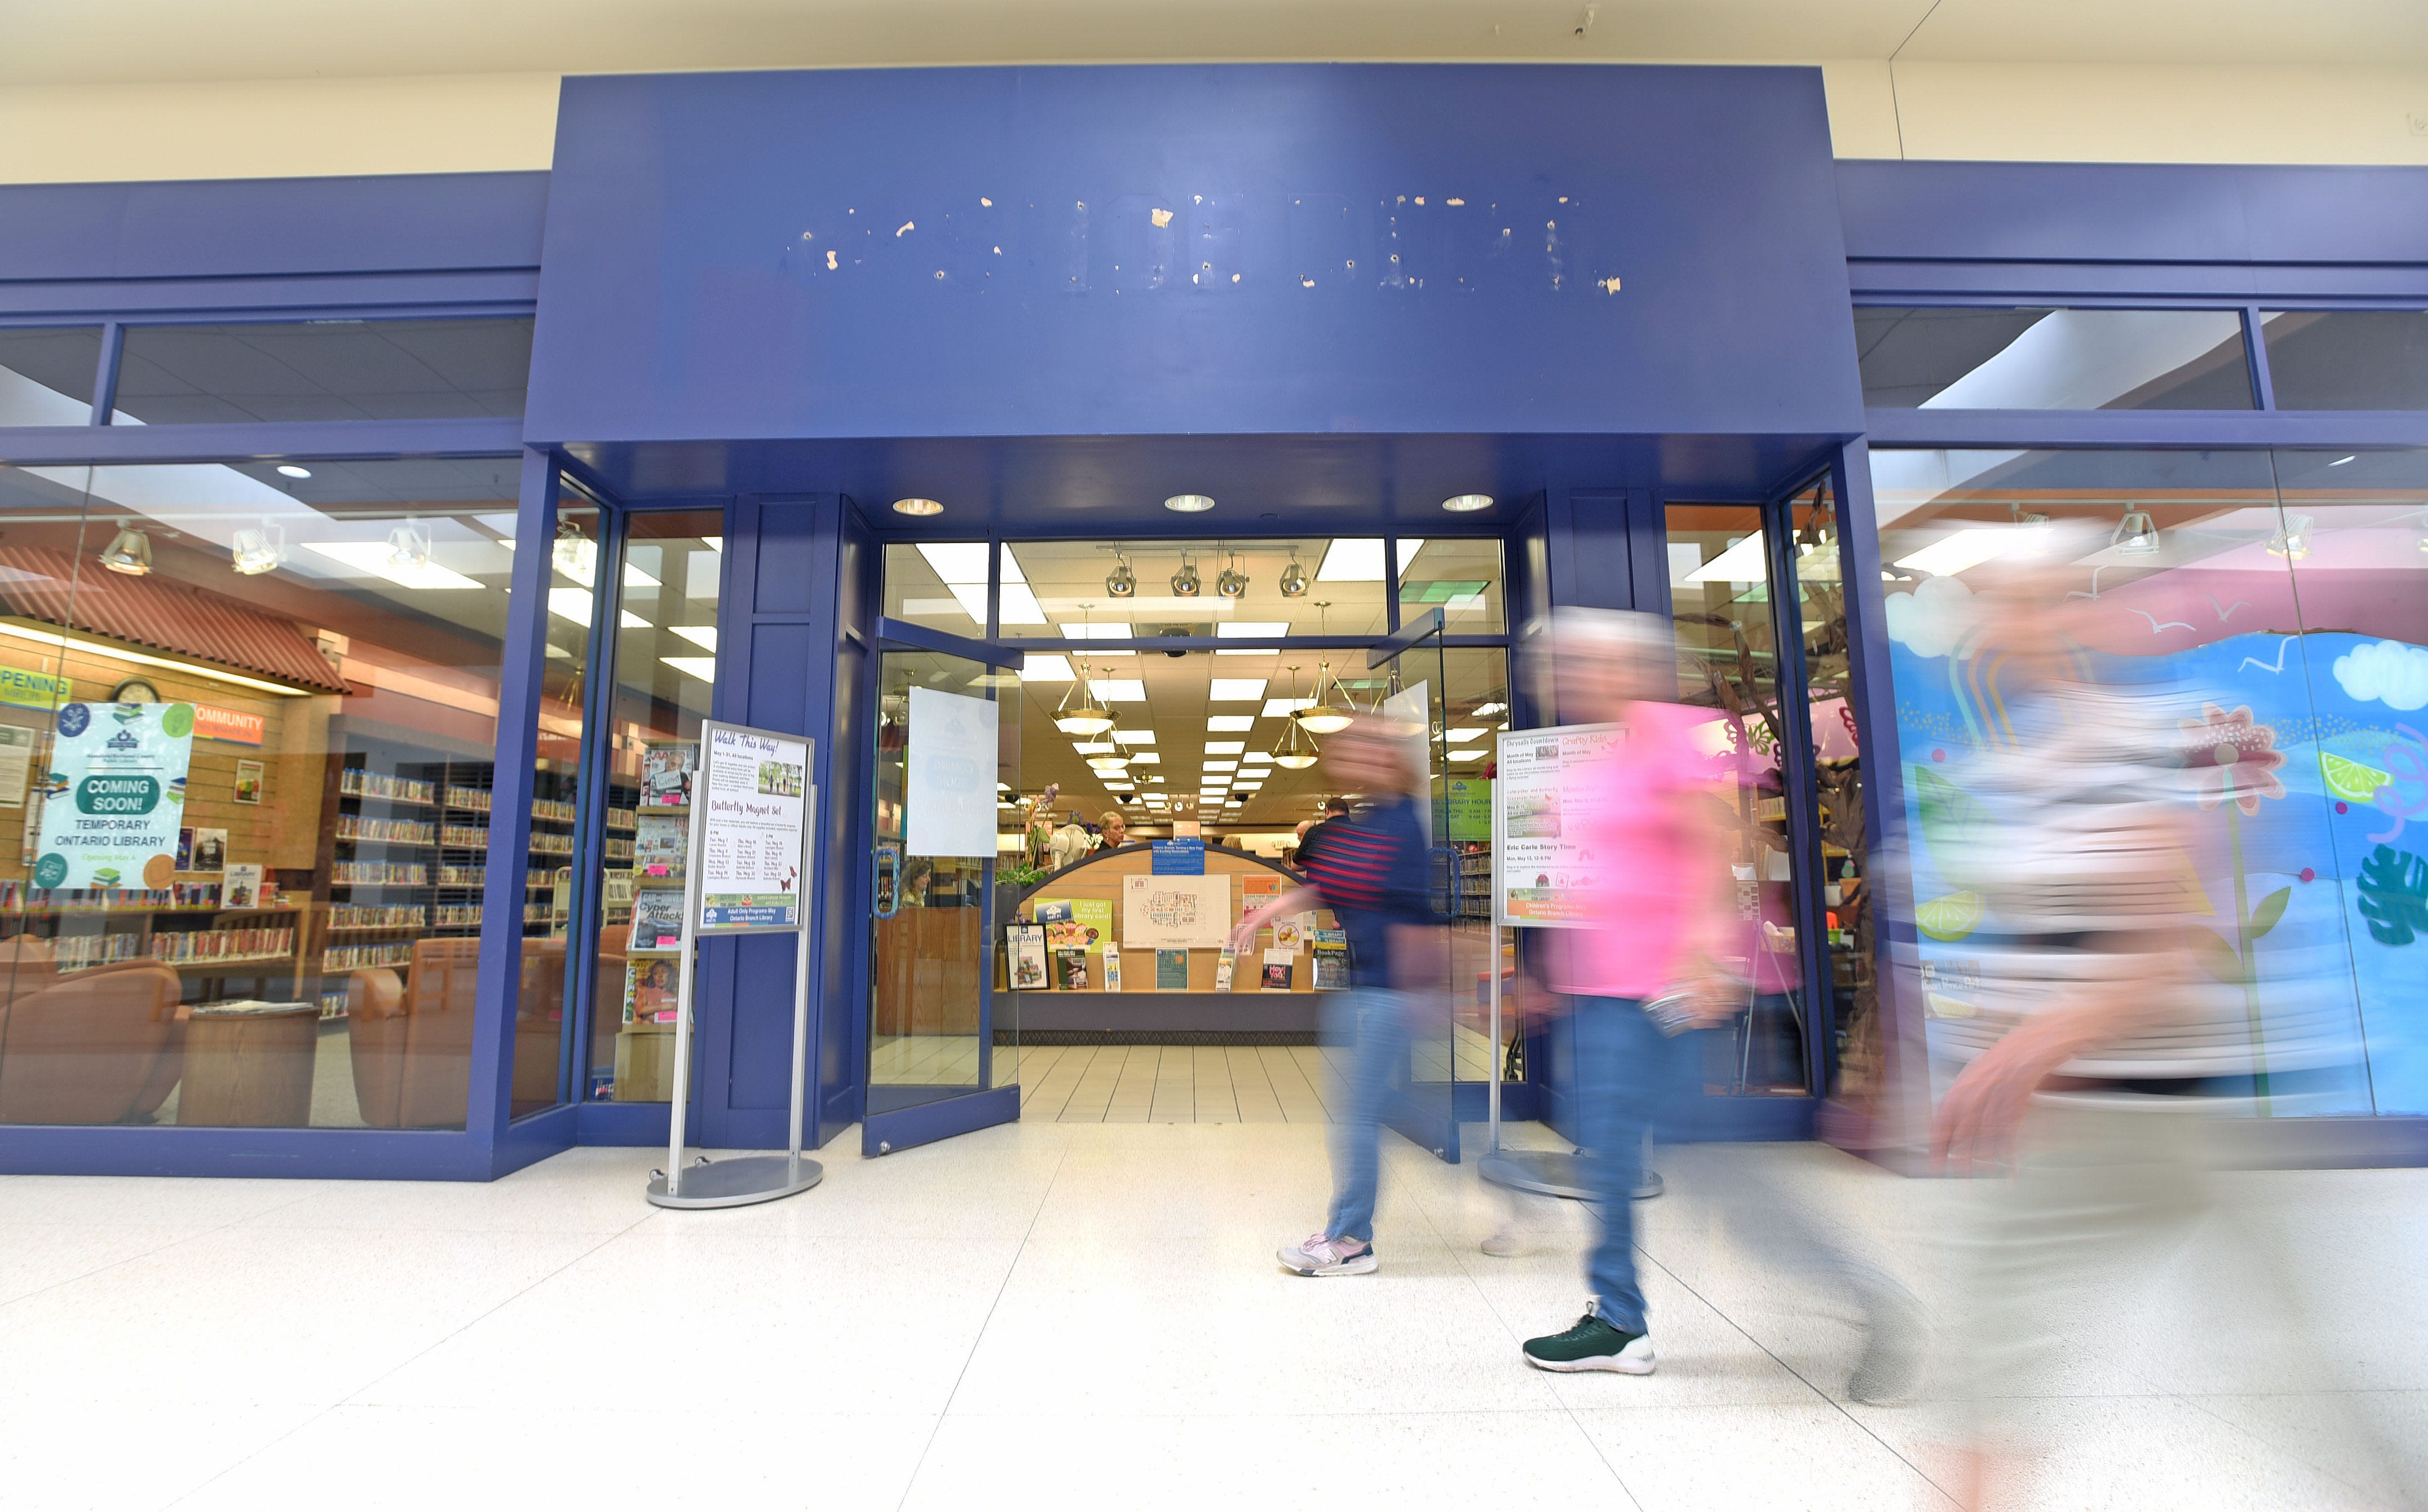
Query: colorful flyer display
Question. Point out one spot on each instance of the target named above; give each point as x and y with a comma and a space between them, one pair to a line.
117, 785
1546, 876
1175, 912
753, 790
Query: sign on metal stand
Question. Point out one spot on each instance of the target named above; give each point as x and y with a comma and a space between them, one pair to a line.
1534, 873
753, 815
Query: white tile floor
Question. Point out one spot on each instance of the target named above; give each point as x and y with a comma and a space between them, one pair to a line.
1056, 1314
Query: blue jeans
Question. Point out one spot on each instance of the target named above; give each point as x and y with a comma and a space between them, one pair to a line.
1373, 1022
1623, 1079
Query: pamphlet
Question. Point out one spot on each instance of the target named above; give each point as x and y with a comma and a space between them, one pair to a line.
659, 844
1070, 969
1171, 970
651, 992
657, 920
1331, 965
1027, 946
1288, 932
666, 768
1223, 966
1277, 969
1112, 970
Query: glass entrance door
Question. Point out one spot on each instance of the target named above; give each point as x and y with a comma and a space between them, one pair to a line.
943, 1045
1415, 690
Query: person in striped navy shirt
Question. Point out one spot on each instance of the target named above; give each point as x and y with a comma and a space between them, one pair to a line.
1372, 871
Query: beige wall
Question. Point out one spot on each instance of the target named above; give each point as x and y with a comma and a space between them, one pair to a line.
2127, 112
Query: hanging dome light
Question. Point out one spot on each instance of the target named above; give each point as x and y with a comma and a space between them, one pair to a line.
575, 554
1089, 718
129, 551
260, 550
1184, 583
1293, 579
408, 547
1293, 749
1331, 712
2134, 535
2292, 542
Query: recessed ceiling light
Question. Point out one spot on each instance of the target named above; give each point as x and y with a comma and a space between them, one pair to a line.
2338, 463
1466, 503
1189, 503
917, 506
287, 469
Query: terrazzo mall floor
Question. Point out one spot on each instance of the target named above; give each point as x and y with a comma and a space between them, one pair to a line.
1087, 1313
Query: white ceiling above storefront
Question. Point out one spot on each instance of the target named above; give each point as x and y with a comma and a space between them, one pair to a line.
123, 41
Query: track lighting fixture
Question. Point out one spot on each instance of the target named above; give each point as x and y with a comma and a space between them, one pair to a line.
1293, 579
1184, 583
1232, 583
259, 550
1121, 583
129, 551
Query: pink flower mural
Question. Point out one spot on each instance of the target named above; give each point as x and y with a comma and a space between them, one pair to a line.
2229, 755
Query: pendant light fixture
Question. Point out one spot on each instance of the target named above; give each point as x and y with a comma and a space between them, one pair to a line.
1294, 750
2292, 542
1332, 711
408, 547
259, 550
1087, 718
129, 551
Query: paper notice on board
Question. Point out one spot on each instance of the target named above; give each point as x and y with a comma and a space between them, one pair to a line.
753, 786
949, 762
1546, 876
16, 761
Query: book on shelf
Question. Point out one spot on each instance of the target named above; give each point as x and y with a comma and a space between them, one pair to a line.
1279, 966
1070, 969
1330, 965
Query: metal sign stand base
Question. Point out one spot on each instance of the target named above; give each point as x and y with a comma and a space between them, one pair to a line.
737, 1183
1552, 1174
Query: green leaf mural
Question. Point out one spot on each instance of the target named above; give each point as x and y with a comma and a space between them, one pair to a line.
1953, 826
2271, 909
2394, 895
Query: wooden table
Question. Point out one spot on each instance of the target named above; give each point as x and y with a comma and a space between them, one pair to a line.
250, 1066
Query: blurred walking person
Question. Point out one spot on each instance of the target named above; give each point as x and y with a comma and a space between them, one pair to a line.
1372, 871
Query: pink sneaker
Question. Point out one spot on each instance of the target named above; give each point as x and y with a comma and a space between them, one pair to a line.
1321, 1255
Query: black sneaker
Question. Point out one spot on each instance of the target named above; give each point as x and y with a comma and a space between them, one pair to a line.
1592, 1345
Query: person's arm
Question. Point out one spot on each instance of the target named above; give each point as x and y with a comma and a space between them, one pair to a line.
1296, 901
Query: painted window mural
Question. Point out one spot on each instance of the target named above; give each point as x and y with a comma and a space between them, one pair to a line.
2275, 605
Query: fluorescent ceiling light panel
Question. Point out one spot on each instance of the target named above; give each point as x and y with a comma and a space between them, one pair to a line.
1011, 573
570, 604
702, 636
1120, 786
1462, 736
1951, 554
972, 597
1019, 606
1254, 651
1101, 630
1226, 747
1285, 707
957, 562
1252, 630
1485, 710
1221, 766
1351, 562
1476, 754
1245, 787
1409, 546
714, 543
632, 622
1230, 724
1118, 690
1135, 737
704, 668
1236, 690
1045, 666
1092, 747
1143, 758
372, 556
1742, 562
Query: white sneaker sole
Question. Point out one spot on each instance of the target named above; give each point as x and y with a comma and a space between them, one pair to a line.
1619, 1364
1364, 1264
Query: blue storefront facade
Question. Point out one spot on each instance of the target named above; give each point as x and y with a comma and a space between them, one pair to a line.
1640, 312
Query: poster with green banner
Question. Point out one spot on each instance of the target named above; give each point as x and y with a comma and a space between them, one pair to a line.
115, 795
1471, 808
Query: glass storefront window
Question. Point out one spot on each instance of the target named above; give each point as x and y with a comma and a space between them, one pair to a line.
1256, 592
1462, 579
2347, 359
2048, 359
324, 371
46, 375
2273, 608
1723, 608
1816, 564
239, 710
665, 645
940, 584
